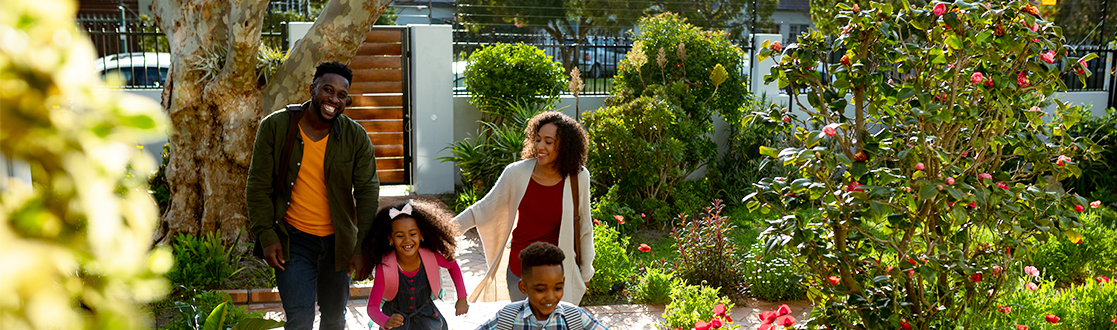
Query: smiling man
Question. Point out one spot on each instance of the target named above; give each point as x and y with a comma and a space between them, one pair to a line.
312, 194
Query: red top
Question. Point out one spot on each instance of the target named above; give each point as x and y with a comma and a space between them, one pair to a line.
540, 217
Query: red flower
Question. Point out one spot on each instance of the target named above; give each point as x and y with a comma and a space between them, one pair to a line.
786, 119
972, 204
1004, 309
1002, 185
783, 310
939, 9
1022, 79
997, 270
834, 280
765, 326
1114, 320
1035, 28
845, 60
1021, 327
643, 216
976, 277
913, 262
1051, 318
984, 176
1103, 279
904, 324
1079, 208
856, 8
853, 186
768, 316
715, 323
919, 166
719, 310
830, 130
596, 222
1095, 204
1062, 160
701, 325
949, 180
645, 248
988, 82
976, 77
1048, 57
785, 321
1081, 68
776, 46
1032, 286
620, 219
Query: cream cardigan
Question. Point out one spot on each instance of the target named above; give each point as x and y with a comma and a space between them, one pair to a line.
495, 217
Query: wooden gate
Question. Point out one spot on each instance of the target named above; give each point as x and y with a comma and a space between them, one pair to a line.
380, 93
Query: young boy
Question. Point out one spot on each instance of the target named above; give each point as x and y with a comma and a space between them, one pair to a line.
542, 282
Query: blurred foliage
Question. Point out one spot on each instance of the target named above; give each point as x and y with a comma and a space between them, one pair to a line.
75, 244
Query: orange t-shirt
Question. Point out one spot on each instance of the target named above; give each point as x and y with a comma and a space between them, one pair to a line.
309, 211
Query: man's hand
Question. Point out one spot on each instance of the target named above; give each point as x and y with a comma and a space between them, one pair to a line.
274, 255
462, 306
357, 267
394, 321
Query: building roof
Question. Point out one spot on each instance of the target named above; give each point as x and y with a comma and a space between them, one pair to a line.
794, 5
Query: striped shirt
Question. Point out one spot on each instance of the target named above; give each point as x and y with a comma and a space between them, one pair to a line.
527, 320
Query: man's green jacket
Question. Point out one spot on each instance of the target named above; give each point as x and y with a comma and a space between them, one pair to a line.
352, 186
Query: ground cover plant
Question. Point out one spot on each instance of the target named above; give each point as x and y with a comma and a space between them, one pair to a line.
924, 157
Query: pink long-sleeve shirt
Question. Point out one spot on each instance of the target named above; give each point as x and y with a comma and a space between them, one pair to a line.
377, 295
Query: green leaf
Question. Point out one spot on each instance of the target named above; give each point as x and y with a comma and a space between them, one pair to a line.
954, 42
770, 152
216, 318
928, 192
257, 324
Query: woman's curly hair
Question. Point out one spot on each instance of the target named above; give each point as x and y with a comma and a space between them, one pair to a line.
571, 141
439, 232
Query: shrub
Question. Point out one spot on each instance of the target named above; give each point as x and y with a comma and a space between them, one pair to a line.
1087, 306
608, 206
655, 287
610, 263
157, 183
707, 253
203, 262
772, 277
742, 164
691, 303
1099, 176
502, 73
194, 312
1067, 262
928, 135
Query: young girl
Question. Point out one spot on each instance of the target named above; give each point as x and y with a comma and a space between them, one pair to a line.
408, 242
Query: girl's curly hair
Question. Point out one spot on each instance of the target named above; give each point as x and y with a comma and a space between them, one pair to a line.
439, 233
571, 141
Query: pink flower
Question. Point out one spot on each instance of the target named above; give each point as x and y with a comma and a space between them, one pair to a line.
997, 270
1081, 68
830, 130
1079, 208
783, 310
856, 8
939, 9
834, 280
620, 219
984, 176
1095, 204
1004, 309
1002, 185
919, 166
845, 30
701, 325
645, 248
1103, 279
1031, 286
785, 321
1048, 57
1035, 27
1031, 271
1021, 327
1051, 318
776, 46
643, 216
786, 119
1022, 79
719, 310
853, 186
1062, 160
949, 180
976, 77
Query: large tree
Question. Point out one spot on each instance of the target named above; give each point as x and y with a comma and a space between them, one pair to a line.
215, 97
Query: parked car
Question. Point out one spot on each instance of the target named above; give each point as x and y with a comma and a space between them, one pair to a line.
136, 70
601, 61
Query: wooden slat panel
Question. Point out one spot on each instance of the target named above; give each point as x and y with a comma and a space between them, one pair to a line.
389, 164
395, 150
392, 177
380, 49
382, 125
362, 87
360, 75
377, 100
374, 113
386, 138
376, 62
377, 35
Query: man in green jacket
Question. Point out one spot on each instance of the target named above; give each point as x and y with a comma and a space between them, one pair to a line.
313, 225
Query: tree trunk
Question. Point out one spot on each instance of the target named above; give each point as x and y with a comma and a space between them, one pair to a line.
215, 100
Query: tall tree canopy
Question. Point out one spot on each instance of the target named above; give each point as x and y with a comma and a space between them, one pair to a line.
216, 94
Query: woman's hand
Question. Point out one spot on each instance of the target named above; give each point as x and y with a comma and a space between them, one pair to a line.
462, 306
395, 321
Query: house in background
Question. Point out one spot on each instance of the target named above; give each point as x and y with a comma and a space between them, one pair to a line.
792, 17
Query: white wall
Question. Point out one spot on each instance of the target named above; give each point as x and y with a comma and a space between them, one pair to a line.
432, 103
296, 31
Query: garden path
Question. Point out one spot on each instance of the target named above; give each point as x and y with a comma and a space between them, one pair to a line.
472, 261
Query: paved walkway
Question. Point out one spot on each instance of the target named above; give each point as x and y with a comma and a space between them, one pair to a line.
472, 261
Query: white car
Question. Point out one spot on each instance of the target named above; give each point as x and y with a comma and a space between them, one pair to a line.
136, 70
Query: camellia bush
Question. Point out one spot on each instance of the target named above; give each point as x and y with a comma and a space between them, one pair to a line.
925, 156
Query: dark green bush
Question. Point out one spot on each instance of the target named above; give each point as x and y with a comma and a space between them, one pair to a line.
1066, 262
707, 252
502, 73
1099, 174
203, 262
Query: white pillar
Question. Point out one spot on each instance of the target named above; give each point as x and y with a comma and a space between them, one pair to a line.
432, 104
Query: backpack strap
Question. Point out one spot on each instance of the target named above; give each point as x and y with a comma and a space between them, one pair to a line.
507, 315
577, 221
572, 315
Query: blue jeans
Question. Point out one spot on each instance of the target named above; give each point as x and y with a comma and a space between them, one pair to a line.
514, 286
310, 275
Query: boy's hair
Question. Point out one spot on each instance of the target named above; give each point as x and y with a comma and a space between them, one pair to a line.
571, 141
333, 67
539, 254
439, 233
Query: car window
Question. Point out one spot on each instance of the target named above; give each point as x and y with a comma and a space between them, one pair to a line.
139, 76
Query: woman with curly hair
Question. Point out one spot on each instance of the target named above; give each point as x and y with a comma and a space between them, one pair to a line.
533, 201
408, 243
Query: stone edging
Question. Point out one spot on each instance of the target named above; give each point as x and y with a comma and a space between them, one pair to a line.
263, 296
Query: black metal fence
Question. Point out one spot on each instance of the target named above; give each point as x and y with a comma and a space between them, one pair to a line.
1100, 67
135, 51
